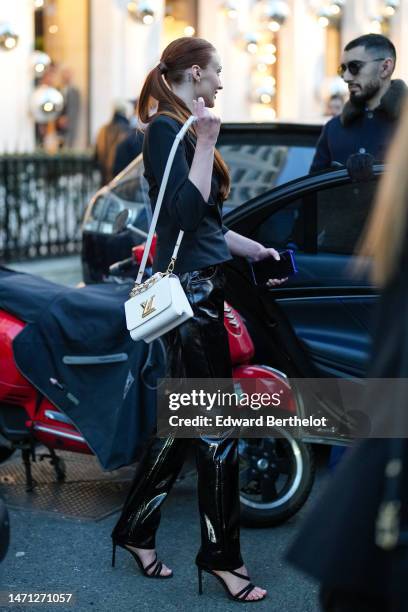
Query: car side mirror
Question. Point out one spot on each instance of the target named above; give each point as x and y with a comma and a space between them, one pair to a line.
121, 221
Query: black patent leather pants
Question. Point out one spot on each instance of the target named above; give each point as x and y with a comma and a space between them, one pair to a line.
196, 349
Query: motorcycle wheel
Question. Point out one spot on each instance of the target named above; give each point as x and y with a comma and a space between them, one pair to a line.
276, 477
5, 453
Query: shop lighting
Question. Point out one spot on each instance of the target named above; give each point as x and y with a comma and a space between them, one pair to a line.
265, 93
53, 29
189, 31
141, 11
46, 103
38, 4
269, 82
274, 26
276, 12
376, 25
252, 48
132, 8
230, 9
10, 43
335, 9
8, 37
39, 61
389, 9
323, 22
330, 14
270, 48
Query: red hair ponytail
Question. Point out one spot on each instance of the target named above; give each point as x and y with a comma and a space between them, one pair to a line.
176, 58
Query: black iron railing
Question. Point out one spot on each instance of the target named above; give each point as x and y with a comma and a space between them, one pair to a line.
42, 202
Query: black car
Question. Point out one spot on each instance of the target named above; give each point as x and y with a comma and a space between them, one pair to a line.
322, 316
317, 324
260, 156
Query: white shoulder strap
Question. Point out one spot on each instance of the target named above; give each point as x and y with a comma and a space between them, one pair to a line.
157, 208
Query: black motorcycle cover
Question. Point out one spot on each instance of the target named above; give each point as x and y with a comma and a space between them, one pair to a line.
76, 350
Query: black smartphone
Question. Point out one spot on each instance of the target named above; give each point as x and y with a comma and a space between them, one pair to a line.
268, 268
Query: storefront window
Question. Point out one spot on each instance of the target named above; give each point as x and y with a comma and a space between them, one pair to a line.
181, 19
60, 63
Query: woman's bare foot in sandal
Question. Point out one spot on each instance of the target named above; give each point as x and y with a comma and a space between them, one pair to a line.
147, 556
236, 584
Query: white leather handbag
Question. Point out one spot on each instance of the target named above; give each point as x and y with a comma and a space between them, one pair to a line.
160, 303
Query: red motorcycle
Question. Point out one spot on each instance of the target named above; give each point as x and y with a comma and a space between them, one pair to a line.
276, 474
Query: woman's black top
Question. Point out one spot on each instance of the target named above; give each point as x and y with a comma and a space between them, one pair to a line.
183, 206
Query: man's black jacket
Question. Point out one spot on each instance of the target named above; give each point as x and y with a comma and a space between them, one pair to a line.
358, 130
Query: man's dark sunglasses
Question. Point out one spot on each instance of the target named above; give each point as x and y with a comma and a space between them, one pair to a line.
355, 66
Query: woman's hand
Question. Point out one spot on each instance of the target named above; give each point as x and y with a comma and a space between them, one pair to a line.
252, 250
207, 126
264, 253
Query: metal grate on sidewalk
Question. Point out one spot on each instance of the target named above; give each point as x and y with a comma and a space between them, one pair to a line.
87, 493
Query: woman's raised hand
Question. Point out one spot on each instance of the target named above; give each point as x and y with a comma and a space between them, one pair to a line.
207, 125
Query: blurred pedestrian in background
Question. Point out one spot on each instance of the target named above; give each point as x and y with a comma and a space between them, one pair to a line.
355, 541
131, 146
67, 122
334, 106
108, 138
368, 119
46, 133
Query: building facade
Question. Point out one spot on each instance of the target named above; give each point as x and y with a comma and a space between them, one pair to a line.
279, 56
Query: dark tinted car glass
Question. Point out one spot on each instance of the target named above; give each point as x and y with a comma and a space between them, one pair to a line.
257, 168
341, 215
284, 228
338, 213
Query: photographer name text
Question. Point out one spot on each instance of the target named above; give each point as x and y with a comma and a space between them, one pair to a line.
259, 421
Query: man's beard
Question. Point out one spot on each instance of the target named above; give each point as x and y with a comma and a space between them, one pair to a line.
366, 94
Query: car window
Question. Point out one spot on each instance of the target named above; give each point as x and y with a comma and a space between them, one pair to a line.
257, 168
341, 215
254, 169
284, 228
329, 220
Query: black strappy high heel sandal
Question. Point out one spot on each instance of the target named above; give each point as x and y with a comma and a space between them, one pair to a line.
241, 596
156, 565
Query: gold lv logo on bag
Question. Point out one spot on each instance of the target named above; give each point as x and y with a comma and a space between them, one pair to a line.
147, 307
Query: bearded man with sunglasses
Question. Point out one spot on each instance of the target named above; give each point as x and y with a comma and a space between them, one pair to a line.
369, 118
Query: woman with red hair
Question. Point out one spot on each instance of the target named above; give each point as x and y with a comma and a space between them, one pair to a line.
185, 82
